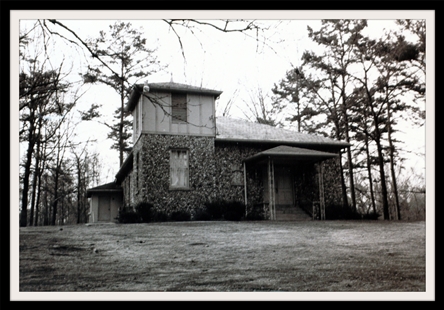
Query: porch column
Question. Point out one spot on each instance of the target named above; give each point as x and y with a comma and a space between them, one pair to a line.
321, 190
245, 188
271, 189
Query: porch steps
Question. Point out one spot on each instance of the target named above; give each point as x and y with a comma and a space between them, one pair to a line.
291, 213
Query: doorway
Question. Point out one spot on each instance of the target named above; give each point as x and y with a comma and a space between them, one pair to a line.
105, 208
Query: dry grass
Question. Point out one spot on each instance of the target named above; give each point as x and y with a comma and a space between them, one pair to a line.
313, 256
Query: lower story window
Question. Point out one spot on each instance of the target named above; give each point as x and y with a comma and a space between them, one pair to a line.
179, 171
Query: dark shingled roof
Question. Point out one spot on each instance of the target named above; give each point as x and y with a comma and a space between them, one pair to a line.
108, 187
169, 87
284, 151
228, 129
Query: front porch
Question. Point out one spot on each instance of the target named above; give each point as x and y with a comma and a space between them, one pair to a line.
293, 182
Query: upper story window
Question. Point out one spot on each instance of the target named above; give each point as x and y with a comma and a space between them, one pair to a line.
179, 109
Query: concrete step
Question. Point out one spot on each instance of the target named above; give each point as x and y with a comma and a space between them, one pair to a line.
291, 213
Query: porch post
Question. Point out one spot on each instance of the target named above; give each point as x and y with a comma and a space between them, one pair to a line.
271, 189
321, 190
273, 184
245, 188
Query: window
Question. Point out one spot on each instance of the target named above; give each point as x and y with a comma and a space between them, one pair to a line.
179, 169
137, 173
179, 107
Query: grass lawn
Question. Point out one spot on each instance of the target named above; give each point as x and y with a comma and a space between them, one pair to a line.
263, 256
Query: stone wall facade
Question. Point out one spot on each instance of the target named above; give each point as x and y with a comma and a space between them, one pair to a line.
150, 177
216, 172
306, 179
230, 172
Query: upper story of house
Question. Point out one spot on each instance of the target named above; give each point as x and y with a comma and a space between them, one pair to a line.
172, 108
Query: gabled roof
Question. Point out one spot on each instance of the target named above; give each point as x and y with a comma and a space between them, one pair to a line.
237, 130
294, 153
167, 87
125, 168
108, 187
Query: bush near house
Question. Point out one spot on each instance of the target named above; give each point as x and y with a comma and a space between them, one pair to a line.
255, 213
127, 215
145, 211
202, 215
338, 212
225, 210
180, 216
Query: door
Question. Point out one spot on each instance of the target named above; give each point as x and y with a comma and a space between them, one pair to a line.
283, 186
105, 208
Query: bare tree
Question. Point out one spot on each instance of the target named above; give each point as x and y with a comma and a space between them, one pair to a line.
259, 108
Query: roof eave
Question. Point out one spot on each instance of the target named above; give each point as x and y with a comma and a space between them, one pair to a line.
136, 92
90, 192
340, 145
126, 166
301, 157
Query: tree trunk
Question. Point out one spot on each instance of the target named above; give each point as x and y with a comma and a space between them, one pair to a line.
392, 162
39, 183
349, 155
56, 186
34, 179
31, 142
46, 204
122, 106
56, 198
385, 207
343, 187
369, 170
78, 190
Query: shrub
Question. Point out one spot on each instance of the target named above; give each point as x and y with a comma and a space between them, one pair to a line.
371, 216
145, 211
128, 215
159, 216
180, 216
215, 210
202, 215
255, 213
338, 212
225, 210
234, 211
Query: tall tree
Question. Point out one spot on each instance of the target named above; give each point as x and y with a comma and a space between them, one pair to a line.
33, 98
385, 80
337, 37
125, 50
291, 92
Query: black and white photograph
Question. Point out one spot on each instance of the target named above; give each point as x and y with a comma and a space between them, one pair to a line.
232, 155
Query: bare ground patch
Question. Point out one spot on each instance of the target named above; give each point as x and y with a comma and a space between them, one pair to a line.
314, 256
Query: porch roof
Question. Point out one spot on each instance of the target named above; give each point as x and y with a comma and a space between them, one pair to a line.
284, 152
108, 187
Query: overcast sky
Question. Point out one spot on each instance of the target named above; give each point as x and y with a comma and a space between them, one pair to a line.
231, 62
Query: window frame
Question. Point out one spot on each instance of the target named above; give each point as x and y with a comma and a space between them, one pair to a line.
187, 170
178, 112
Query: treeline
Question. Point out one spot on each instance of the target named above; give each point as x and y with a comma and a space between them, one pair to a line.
55, 170
357, 90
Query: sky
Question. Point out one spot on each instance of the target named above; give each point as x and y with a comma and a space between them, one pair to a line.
233, 63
